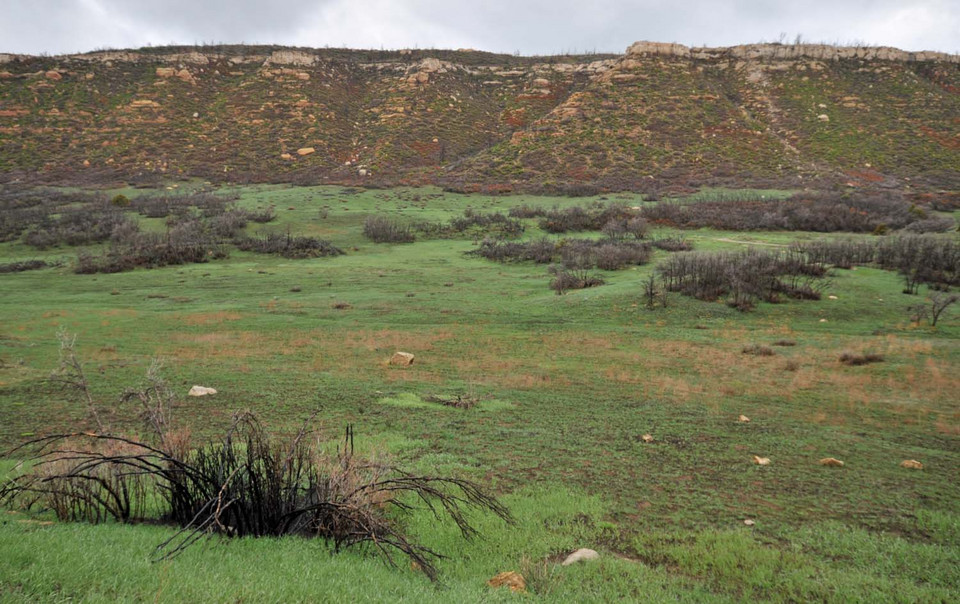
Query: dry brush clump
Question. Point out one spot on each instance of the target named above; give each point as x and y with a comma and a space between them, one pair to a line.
866, 212
743, 278
380, 229
249, 482
565, 279
606, 254
855, 359
183, 245
23, 209
24, 265
592, 217
288, 246
921, 259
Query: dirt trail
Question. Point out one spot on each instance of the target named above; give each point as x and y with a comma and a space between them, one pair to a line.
725, 240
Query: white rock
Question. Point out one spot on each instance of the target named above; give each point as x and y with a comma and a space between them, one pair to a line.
580, 555
201, 391
402, 358
749, 522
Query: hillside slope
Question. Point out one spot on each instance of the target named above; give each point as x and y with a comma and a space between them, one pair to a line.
771, 114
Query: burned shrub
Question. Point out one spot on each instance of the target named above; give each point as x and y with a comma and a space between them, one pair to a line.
289, 246
77, 226
743, 278
380, 229
493, 223
541, 251
185, 245
758, 350
672, 244
611, 257
23, 208
525, 211
246, 484
939, 224
862, 212
262, 215
25, 265
572, 253
855, 359
565, 279
921, 259
841, 253
472, 224
593, 217
161, 206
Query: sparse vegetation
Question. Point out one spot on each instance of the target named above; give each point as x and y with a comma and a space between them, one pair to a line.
383, 230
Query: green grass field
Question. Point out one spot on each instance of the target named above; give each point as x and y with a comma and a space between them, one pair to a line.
568, 385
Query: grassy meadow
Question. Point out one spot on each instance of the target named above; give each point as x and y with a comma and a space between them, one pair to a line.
568, 385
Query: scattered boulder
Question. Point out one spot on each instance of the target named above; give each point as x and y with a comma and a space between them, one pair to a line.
832, 462
823, 117
201, 391
402, 359
511, 579
581, 555
761, 461
743, 419
647, 438
749, 522
53, 75
286, 156
166, 72
306, 151
912, 464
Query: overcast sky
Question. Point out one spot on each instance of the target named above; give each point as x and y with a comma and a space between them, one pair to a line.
527, 26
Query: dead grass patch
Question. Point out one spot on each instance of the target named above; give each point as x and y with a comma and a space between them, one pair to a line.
207, 318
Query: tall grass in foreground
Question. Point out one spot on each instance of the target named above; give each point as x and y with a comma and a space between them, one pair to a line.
248, 483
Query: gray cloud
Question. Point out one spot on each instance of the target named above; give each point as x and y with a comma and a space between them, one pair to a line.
525, 26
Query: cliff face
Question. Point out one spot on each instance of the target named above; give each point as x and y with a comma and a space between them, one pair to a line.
771, 114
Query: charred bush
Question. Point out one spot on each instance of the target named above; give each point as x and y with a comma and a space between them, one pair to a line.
593, 217
824, 212
526, 211
380, 229
855, 359
80, 226
289, 246
25, 265
921, 259
565, 279
672, 244
743, 278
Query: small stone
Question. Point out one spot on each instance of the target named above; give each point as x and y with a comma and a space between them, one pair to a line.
823, 117
912, 464
749, 522
647, 438
823, 320
833, 297
761, 461
580, 555
402, 359
201, 391
832, 462
306, 151
743, 419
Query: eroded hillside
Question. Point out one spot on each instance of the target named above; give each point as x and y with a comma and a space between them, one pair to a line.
783, 115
